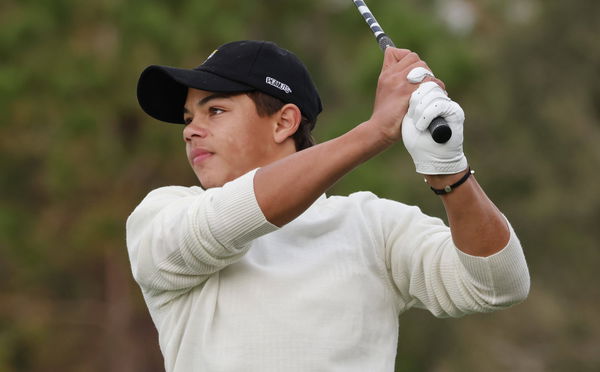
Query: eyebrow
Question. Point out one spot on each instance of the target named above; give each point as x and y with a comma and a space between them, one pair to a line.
206, 99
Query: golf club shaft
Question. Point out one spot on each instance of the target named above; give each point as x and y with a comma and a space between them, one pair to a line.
439, 129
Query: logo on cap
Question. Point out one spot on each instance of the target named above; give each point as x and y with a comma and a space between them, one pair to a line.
278, 84
212, 54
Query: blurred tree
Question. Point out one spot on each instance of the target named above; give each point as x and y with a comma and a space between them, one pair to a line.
77, 155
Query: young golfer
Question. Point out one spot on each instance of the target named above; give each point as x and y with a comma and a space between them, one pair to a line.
258, 270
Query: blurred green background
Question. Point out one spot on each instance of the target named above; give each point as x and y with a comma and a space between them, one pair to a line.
78, 154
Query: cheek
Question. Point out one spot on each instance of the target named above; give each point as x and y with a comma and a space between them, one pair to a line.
244, 144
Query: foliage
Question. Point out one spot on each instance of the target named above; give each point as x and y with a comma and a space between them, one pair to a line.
77, 155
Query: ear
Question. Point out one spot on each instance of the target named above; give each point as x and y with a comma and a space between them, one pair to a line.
288, 120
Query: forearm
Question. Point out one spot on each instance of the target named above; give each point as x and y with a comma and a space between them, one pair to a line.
287, 187
477, 226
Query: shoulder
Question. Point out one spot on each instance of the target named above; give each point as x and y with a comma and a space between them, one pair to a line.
372, 209
168, 194
380, 211
173, 192
368, 202
158, 199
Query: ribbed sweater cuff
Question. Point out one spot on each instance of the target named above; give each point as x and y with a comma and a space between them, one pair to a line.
505, 273
236, 216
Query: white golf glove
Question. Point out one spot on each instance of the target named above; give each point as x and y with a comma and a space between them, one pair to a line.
426, 103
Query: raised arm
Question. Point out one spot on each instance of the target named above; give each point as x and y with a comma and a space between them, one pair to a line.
478, 228
177, 237
286, 188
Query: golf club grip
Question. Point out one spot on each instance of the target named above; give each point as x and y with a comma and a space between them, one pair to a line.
385, 41
440, 130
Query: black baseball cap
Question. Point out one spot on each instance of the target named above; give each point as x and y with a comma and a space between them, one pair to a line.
236, 67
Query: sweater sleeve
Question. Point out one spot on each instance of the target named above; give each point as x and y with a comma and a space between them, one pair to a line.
430, 272
177, 236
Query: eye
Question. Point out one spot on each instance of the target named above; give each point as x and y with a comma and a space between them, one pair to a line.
215, 110
187, 120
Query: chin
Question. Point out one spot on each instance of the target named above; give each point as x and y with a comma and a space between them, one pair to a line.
209, 184
210, 177
208, 181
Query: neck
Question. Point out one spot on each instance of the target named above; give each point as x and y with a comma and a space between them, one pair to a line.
285, 149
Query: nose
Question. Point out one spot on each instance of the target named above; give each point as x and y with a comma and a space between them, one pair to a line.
194, 129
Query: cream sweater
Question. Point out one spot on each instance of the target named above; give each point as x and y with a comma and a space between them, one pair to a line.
228, 291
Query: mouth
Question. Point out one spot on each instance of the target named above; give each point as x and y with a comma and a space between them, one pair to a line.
197, 156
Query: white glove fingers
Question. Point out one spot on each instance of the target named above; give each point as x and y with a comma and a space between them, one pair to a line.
436, 108
426, 93
417, 74
455, 114
429, 94
422, 91
427, 102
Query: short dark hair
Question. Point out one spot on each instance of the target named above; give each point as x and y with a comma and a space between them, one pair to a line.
267, 105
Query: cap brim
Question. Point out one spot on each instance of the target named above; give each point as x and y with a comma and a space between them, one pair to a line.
162, 90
